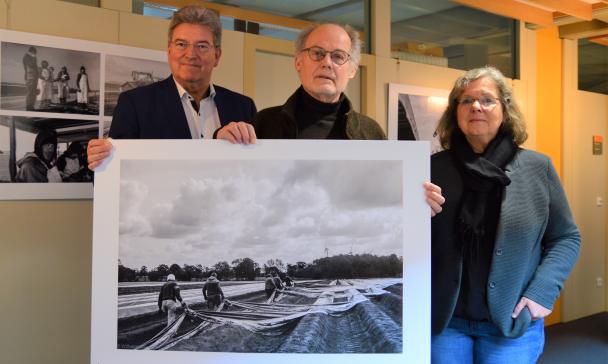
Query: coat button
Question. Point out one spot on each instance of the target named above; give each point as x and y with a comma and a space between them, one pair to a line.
498, 251
492, 284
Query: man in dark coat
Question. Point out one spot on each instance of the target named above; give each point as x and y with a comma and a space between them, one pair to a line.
30, 69
326, 59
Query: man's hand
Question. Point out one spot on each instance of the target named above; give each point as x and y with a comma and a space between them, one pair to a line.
536, 310
97, 151
237, 132
434, 197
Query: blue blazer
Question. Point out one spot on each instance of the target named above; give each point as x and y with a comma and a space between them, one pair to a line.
156, 112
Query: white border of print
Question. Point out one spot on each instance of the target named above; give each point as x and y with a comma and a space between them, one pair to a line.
416, 236
43, 191
396, 89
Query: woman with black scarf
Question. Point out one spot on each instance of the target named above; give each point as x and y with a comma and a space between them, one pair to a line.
505, 241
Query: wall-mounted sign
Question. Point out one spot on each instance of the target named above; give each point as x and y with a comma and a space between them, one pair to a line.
597, 144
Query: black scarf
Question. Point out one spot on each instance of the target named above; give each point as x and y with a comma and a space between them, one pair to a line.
484, 180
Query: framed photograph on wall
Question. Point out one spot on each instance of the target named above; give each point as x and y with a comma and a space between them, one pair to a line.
53, 95
414, 113
280, 251
126, 73
49, 79
45, 157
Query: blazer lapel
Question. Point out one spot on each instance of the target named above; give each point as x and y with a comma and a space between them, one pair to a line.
220, 101
177, 122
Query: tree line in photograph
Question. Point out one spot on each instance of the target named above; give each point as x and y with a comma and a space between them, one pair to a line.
343, 266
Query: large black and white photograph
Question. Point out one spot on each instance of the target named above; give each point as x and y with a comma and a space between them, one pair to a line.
291, 256
414, 113
261, 256
48, 79
126, 73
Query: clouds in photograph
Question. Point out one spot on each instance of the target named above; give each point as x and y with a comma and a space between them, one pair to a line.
201, 212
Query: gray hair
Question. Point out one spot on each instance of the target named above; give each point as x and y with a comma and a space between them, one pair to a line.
513, 118
355, 42
195, 14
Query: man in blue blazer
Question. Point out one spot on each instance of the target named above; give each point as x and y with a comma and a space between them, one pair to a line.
186, 105
155, 112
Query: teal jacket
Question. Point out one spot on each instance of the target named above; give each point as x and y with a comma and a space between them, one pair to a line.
536, 246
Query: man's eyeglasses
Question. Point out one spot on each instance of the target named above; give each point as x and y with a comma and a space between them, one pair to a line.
200, 47
317, 54
486, 101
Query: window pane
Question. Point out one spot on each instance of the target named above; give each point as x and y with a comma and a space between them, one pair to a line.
443, 33
159, 11
592, 67
337, 11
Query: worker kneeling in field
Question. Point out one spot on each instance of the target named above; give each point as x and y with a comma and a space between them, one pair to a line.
168, 297
269, 285
213, 292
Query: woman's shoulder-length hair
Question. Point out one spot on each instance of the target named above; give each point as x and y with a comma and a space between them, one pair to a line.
513, 118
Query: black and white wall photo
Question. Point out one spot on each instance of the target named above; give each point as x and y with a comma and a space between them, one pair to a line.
414, 113
44, 150
46, 79
126, 73
52, 96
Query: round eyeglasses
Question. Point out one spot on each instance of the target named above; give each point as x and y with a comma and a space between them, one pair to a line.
338, 57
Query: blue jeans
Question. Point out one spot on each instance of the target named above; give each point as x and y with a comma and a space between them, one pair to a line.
466, 342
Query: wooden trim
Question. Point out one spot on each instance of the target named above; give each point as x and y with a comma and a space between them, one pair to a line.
601, 39
240, 13
512, 9
584, 29
576, 8
381, 34
367, 69
600, 5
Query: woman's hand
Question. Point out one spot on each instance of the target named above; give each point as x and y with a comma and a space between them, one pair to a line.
536, 310
434, 197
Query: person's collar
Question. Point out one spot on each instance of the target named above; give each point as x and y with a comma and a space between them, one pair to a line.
289, 107
182, 91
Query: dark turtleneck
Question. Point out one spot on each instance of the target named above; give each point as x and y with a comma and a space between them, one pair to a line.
320, 120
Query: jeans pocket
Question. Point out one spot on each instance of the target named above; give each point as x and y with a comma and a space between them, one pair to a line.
521, 323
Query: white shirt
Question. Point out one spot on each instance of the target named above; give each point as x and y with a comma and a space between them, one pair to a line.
204, 123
